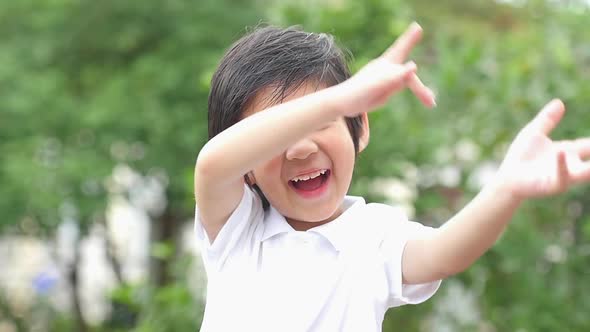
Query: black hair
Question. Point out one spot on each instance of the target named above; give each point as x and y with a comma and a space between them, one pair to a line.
283, 58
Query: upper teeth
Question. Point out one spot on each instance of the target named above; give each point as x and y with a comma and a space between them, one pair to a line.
309, 176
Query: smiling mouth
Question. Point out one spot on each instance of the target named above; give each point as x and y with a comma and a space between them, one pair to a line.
310, 183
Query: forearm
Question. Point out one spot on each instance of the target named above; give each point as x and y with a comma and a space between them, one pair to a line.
463, 239
472, 231
264, 135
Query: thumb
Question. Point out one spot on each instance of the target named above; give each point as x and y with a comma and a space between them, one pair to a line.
548, 118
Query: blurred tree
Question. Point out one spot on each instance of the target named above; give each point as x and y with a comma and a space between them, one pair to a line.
89, 85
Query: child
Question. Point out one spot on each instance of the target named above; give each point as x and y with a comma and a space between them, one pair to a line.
284, 248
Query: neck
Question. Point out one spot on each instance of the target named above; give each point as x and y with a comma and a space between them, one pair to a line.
300, 225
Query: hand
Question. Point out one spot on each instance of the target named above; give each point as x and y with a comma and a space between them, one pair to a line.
384, 76
536, 166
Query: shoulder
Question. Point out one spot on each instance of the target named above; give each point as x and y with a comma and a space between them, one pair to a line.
244, 222
380, 212
370, 223
376, 222
378, 216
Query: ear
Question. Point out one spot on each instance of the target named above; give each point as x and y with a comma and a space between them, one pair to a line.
364, 138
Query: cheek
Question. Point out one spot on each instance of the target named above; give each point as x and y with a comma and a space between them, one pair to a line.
268, 172
274, 165
342, 152
342, 143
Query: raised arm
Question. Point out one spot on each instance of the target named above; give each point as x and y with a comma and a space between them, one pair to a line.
226, 158
534, 166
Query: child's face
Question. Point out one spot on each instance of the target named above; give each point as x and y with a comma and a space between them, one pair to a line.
329, 151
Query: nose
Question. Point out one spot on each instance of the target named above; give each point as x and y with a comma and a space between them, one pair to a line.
301, 150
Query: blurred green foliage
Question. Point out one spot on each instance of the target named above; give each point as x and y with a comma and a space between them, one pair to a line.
145, 307
87, 85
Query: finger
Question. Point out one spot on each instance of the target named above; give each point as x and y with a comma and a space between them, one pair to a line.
397, 75
580, 146
401, 48
424, 94
548, 118
562, 171
397, 81
410, 67
581, 173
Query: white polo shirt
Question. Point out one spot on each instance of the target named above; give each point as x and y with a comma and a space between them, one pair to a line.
341, 276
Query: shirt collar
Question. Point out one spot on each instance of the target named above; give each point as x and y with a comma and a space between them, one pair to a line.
336, 232
275, 223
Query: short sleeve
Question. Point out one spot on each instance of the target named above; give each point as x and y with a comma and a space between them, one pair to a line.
397, 235
236, 234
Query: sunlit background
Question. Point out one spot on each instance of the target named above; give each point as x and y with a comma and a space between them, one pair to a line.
103, 112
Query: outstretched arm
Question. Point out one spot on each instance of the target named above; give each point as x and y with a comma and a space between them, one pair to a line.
534, 166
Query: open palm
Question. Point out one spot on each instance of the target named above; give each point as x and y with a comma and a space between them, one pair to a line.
537, 166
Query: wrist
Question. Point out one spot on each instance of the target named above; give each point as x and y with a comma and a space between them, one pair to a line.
333, 102
344, 101
500, 188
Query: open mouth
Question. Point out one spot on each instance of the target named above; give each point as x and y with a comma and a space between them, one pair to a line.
311, 184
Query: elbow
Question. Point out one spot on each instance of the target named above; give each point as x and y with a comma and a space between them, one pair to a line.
205, 167
213, 170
